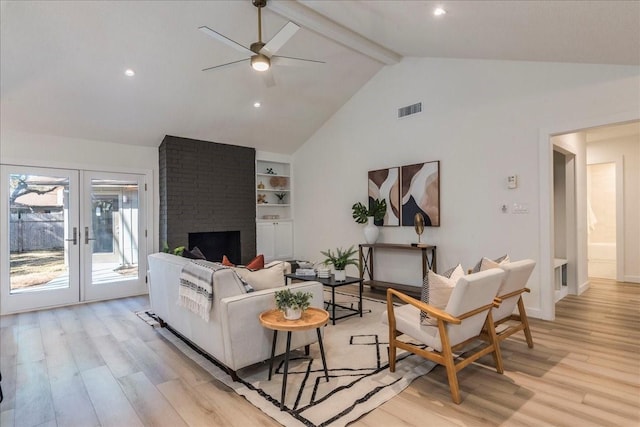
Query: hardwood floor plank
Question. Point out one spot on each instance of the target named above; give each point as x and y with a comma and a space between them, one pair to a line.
84, 351
150, 405
149, 362
193, 407
119, 361
91, 324
233, 409
34, 405
30, 347
189, 371
111, 404
6, 418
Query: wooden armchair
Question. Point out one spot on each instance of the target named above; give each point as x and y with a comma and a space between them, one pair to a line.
467, 314
509, 295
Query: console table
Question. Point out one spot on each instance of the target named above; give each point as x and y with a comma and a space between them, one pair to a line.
366, 264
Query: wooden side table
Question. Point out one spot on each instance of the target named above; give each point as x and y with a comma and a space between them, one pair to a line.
311, 318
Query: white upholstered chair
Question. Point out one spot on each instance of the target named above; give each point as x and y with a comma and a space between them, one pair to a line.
466, 315
509, 296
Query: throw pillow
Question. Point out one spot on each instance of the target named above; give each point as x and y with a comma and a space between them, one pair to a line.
266, 278
194, 253
488, 263
225, 261
257, 263
437, 288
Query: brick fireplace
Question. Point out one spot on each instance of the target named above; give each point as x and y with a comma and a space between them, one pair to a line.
206, 187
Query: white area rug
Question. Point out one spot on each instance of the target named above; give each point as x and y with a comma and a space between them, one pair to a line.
359, 377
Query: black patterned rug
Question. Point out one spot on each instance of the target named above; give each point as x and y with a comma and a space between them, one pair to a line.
359, 377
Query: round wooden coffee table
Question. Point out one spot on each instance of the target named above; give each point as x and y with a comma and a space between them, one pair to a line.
311, 318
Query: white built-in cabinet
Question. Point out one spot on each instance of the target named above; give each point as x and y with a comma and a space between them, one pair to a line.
274, 219
275, 239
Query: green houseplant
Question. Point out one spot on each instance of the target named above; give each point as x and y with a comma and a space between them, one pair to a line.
377, 208
340, 259
372, 216
292, 304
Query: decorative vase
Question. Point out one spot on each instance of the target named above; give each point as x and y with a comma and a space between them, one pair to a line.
292, 313
340, 275
371, 231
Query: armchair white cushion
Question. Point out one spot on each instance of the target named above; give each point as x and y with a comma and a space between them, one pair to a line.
510, 295
466, 315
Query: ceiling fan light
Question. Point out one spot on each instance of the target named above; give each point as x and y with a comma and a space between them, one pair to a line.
260, 62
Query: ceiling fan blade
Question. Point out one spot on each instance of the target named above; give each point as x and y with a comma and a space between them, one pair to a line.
279, 39
267, 77
297, 62
225, 65
211, 33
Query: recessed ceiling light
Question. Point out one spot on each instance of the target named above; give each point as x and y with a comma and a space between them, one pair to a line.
438, 11
257, 104
129, 72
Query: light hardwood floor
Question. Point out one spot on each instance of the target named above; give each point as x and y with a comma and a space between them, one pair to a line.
98, 364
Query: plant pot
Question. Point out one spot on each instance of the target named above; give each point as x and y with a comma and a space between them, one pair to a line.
371, 231
292, 313
340, 275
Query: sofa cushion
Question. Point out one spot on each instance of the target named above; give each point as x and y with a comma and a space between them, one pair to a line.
437, 288
272, 276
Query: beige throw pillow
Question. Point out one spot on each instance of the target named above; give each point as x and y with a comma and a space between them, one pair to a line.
486, 263
272, 276
437, 288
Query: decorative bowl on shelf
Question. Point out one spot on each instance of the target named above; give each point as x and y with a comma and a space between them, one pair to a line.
270, 216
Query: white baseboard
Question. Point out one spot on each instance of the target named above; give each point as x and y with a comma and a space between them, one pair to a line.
586, 285
632, 279
534, 313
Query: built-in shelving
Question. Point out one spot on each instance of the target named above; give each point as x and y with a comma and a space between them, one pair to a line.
274, 215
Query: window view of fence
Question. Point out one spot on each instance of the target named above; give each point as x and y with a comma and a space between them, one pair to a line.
36, 230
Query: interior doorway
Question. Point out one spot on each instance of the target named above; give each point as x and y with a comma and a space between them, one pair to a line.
601, 220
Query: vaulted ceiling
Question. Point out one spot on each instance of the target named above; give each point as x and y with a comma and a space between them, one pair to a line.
62, 62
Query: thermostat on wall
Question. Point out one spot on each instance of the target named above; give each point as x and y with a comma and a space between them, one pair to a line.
512, 181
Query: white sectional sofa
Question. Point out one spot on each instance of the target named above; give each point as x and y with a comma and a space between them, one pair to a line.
233, 336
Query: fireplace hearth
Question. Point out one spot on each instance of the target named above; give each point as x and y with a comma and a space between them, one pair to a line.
215, 244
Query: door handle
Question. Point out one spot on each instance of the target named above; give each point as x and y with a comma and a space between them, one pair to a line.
86, 236
75, 236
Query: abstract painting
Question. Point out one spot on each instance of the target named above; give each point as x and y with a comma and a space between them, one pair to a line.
421, 193
385, 184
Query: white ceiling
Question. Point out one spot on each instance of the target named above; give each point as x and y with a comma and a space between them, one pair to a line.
62, 62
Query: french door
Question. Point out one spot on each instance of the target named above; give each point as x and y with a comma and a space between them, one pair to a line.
69, 236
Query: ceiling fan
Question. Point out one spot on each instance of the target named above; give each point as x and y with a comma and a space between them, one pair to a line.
262, 55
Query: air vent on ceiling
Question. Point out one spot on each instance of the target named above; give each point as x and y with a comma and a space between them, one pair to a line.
409, 110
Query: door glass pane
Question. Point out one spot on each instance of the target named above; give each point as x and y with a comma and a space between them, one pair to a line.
38, 224
114, 230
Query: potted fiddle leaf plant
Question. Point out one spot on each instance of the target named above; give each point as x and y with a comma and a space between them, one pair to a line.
340, 259
372, 216
292, 304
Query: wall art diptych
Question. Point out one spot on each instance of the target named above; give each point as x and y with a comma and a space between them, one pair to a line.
385, 184
421, 193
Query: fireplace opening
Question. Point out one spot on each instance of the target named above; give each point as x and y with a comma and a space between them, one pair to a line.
215, 244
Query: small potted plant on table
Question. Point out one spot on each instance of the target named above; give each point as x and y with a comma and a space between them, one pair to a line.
340, 259
292, 304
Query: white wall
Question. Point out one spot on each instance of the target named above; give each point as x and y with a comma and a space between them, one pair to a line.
627, 148
482, 120
58, 152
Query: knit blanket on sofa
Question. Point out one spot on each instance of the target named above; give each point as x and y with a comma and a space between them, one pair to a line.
196, 286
